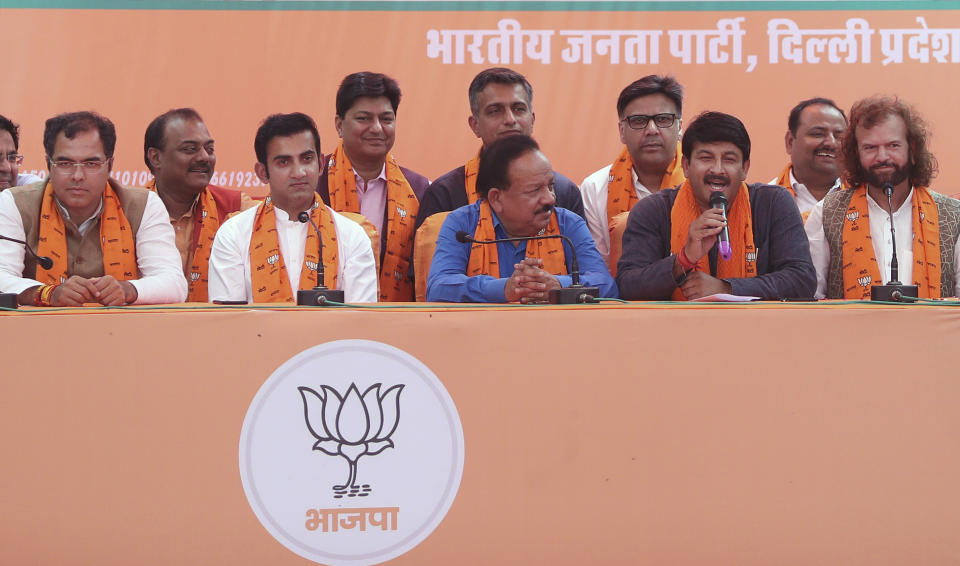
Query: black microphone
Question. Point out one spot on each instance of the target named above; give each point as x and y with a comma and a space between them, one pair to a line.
719, 200
320, 294
42, 260
894, 290
575, 293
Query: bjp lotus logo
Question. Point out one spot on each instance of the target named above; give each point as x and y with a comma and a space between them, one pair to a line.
351, 425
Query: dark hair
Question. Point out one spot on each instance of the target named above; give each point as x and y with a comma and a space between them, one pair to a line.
651, 84
867, 113
710, 127
72, 123
158, 127
8, 125
366, 84
495, 161
793, 122
498, 75
278, 125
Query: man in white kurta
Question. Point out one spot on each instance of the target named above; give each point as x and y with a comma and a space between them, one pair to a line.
230, 257
289, 161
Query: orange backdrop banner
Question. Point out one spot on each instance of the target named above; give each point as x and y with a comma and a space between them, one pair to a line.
244, 60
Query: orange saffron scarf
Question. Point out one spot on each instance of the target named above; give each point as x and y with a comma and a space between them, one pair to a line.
199, 274
860, 268
402, 207
117, 241
621, 194
470, 178
484, 259
739, 225
268, 271
784, 180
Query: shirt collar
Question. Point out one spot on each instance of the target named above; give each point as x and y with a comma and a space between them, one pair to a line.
498, 226
797, 184
86, 223
381, 177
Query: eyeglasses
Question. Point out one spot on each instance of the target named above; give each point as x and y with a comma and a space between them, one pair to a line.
13, 158
640, 121
65, 166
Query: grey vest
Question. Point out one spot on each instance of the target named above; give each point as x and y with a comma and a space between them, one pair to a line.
835, 207
84, 255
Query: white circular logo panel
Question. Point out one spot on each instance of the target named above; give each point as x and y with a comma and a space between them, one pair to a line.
351, 453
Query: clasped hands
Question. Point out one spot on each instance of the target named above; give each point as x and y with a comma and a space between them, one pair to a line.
106, 290
529, 282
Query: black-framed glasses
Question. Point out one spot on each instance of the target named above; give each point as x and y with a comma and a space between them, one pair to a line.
66, 166
640, 121
14, 158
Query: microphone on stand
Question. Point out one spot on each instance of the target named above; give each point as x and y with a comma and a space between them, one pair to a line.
42, 260
719, 200
9, 300
575, 293
320, 294
894, 291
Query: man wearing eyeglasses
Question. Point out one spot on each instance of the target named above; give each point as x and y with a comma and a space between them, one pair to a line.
109, 244
516, 184
179, 151
10, 159
649, 122
501, 105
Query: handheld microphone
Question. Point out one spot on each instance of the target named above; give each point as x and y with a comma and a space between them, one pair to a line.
575, 293
320, 294
42, 260
719, 200
894, 290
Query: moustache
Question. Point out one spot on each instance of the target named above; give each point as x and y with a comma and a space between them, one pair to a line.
876, 166
545, 208
201, 169
716, 180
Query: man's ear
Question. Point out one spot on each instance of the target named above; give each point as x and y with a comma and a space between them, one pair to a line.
261, 170
685, 165
788, 141
472, 122
338, 124
153, 156
495, 198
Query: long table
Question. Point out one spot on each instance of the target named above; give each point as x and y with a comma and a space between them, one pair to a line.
594, 434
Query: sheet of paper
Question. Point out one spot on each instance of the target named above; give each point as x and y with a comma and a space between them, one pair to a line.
725, 298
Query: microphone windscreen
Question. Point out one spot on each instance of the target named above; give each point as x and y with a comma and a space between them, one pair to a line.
463, 237
45, 262
717, 199
304, 217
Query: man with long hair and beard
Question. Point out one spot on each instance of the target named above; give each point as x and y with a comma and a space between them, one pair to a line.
849, 231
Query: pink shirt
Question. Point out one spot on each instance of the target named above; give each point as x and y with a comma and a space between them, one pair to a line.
373, 197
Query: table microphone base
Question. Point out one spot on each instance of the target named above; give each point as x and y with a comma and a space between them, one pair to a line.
8, 300
318, 297
894, 293
572, 295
